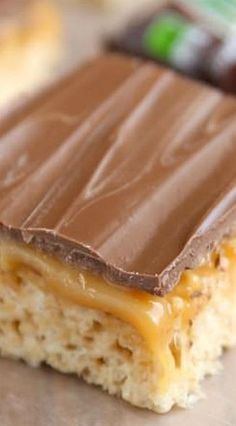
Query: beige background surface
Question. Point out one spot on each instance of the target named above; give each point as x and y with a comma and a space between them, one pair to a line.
42, 397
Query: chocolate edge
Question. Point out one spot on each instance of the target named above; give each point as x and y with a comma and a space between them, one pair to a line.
196, 251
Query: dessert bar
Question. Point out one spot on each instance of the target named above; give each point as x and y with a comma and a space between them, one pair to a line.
117, 235
30, 46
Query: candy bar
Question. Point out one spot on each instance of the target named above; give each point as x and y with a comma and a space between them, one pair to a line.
194, 39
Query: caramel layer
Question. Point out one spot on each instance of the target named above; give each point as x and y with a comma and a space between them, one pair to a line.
155, 318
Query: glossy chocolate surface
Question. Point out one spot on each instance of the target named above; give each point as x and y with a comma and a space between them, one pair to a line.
124, 169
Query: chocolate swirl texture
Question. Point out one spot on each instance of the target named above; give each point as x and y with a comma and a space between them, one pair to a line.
123, 168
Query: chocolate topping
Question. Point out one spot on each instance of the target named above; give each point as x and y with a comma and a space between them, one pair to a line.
124, 168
